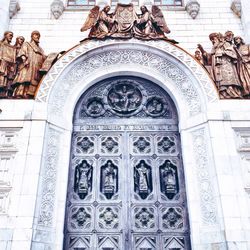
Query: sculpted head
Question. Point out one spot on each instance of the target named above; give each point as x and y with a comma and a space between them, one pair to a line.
106, 9
35, 36
214, 38
229, 35
143, 9
19, 40
238, 40
8, 35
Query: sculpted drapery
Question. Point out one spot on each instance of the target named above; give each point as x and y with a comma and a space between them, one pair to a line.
243, 52
31, 57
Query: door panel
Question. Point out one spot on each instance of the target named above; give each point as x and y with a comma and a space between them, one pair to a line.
126, 185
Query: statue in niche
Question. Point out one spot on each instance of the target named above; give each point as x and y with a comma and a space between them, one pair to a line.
243, 65
169, 179
83, 179
109, 179
124, 98
31, 58
142, 179
223, 60
7, 65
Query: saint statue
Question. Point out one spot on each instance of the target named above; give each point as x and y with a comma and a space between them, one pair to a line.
109, 179
83, 179
223, 60
31, 57
7, 65
243, 65
169, 179
142, 177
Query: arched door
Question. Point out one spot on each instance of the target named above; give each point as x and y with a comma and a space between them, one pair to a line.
126, 188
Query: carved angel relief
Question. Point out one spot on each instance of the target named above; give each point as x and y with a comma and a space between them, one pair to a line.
126, 23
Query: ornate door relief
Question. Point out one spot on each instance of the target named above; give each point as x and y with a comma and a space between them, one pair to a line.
126, 183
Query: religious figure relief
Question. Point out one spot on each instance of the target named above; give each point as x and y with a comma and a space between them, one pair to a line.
80, 218
126, 23
144, 218
94, 107
109, 218
83, 179
243, 64
223, 62
143, 179
7, 65
150, 25
124, 98
172, 218
109, 179
142, 145
18, 90
169, 179
100, 22
31, 58
155, 107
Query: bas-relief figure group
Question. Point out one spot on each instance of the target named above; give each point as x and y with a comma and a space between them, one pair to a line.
126, 23
228, 64
23, 64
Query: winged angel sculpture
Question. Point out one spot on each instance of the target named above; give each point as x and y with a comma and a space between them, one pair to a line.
126, 23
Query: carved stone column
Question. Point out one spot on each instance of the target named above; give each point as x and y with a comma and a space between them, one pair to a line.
245, 17
4, 16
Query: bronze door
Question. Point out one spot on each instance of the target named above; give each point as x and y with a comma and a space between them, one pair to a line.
126, 185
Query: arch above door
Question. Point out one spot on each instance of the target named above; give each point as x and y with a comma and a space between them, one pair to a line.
167, 65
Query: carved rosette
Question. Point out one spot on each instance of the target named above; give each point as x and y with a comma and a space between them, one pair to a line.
108, 218
144, 218
172, 218
80, 218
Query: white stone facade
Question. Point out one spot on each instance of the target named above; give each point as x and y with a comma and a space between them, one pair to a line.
35, 135
64, 33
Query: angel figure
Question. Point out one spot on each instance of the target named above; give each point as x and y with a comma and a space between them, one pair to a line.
100, 22
150, 24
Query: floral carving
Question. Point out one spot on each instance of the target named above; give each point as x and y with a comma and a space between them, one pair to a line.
144, 58
49, 179
142, 145
173, 219
85, 144
208, 205
166, 145
109, 218
144, 218
80, 218
110, 145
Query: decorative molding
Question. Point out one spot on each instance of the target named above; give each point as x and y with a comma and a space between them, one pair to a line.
8, 150
14, 8
57, 8
146, 55
193, 8
208, 203
47, 204
243, 147
236, 7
